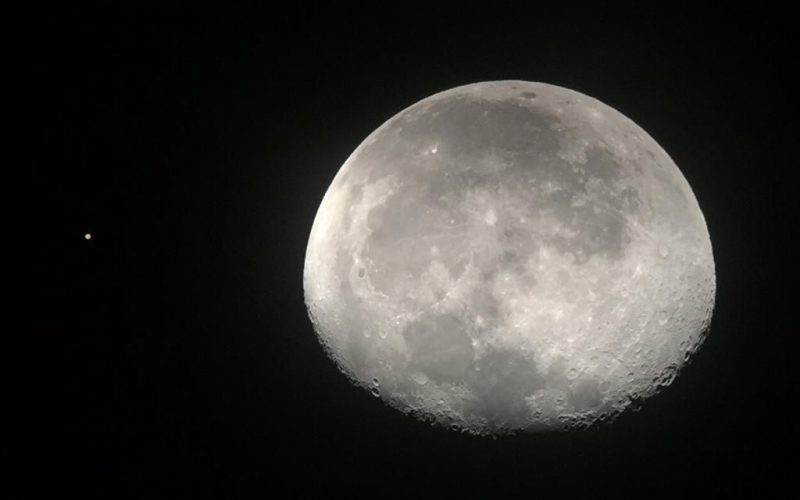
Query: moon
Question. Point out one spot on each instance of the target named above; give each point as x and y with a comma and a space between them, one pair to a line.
510, 256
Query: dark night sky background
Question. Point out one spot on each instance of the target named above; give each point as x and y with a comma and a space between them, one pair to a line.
196, 147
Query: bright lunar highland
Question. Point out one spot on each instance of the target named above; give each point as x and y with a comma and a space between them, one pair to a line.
509, 256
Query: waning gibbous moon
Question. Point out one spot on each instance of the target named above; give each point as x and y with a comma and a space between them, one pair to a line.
509, 256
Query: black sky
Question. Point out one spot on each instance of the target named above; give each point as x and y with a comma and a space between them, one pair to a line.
196, 147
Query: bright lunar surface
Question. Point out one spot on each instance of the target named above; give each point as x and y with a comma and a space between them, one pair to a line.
509, 256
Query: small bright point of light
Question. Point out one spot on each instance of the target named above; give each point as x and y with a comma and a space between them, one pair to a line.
87, 236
